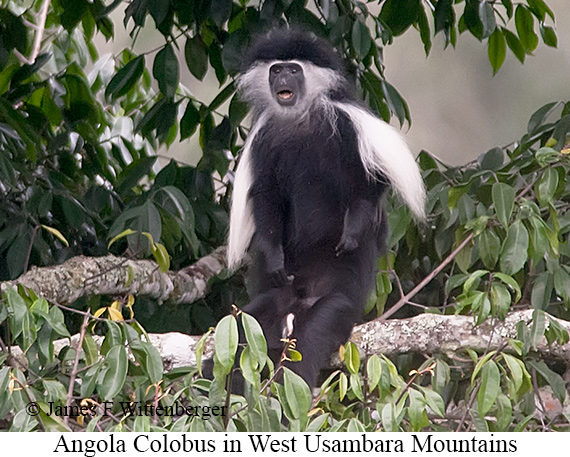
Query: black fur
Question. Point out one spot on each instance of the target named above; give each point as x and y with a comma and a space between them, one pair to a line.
319, 226
318, 222
283, 44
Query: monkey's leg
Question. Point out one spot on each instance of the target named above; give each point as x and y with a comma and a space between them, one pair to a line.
320, 331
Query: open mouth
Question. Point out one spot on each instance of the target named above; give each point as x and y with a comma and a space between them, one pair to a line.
285, 94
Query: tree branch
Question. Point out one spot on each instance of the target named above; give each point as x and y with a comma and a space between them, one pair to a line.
430, 334
109, 275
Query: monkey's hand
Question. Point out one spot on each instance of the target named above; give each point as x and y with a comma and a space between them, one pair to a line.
346, 244
279, 278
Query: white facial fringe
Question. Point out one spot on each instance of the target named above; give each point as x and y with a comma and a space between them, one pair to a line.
254, 88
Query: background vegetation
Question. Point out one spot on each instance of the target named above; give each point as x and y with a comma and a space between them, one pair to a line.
80, 136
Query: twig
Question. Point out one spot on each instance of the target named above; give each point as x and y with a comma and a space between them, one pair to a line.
40, 28
402, 301
29, 252
30, 399
540, 405
75, 369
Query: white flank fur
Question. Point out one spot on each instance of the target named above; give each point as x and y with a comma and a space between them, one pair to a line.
242, 226
383, 150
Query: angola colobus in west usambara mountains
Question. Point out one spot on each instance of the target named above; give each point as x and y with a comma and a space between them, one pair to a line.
307, 196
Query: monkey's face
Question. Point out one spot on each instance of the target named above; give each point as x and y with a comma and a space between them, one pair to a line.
287, 83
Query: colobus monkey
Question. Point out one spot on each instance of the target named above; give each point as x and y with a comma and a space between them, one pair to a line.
307, 196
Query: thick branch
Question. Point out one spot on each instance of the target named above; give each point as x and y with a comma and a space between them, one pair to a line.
110, 275
436, 334
429, 334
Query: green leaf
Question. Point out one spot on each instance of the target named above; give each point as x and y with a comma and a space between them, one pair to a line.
126, 78
552, 378
548, 36
479, 365
56, 321
248, 367
226, 342
342, 386
516, 369
500, 300
373, 371
400, 14
165, 70
255, 339
133, 173
489, 247
473, 279
444, 15
352, 358
396, 103
196, 55
525, 28
356, 387
546, 186
539, 117
389, 418
158, 11
504, 199
504, 413
539, 238
471, 19
487, 17
17, 310
220, 11
116, 362
14, 32
434, 401
55, 232
542, 291
215, 55
425, 34
514, 45
90, 349
417, 410
540, 9
361, 40
490, 387
200, 350
224, 95
537, 328
189, 121
481, 307
514, 253
509, 281
497, 49
492, 160
29, 331
161, 256
123, 234
562, 283
297, 394
149, 359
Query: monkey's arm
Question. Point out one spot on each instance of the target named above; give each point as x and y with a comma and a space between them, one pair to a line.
361, 216
268, 239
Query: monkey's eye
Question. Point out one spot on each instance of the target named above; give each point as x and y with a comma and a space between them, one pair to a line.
294, 70
277, 70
